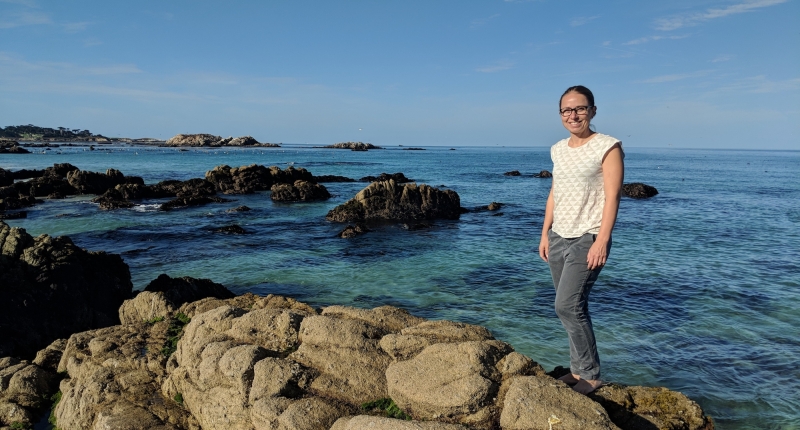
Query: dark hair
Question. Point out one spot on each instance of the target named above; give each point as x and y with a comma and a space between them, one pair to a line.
580, 89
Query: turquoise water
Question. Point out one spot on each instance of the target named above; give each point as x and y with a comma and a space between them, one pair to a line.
700, 294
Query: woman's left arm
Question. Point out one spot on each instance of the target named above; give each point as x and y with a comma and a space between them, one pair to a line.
613, 174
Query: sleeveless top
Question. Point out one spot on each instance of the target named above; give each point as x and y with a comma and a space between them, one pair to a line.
578, 185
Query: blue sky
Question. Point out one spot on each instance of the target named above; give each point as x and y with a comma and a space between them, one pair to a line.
696, 74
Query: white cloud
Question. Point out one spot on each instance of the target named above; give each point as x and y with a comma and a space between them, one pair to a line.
75, 27
577, 22
653, 38
722, 58
497, 67
19, 19
687, 20
675, 77
480, 22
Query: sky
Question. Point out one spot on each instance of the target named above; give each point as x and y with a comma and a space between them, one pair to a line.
681, 73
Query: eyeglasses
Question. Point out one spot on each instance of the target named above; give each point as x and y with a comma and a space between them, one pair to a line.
580, 110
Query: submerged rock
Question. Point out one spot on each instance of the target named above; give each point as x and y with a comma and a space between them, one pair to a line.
332, 178
513, 173
398, 177
389, 201
543, 174
353, 230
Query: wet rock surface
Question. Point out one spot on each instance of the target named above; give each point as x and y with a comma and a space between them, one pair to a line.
299, 191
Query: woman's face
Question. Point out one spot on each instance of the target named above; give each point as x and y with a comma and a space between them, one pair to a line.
575, 123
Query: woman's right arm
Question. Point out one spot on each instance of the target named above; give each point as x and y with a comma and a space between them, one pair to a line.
544, 242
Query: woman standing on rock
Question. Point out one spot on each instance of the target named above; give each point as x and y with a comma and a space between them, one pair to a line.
576, 237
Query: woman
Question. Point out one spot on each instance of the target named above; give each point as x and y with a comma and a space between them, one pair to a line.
576, 237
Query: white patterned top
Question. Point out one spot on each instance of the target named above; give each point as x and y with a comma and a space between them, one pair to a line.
578, 185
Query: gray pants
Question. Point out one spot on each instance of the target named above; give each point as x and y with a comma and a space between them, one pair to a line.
573, 282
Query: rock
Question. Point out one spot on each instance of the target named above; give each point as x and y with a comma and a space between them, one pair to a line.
249, 179
188, 188
352, 231
534, 402
299, 191
59, 170
650, 407
43, 186
86, 182
49, 357
52, 288
512, 173
27, 174
6, 177
146, 306
114, 379
193, 140
387, 318
243, 141
398, 177
181, 202
332, 178
25, 390
543, 174
239, 209
230, 229
493, 206
357, 146
14, 150
448, 331
413, 149
362, 422
13, 215
388, 201
178, 291
417, 226
451, 382
638, 190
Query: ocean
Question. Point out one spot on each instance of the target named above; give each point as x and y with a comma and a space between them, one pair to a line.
700, 293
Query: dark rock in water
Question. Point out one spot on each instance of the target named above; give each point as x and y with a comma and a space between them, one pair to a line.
214, 141
512, 173
86, 182
14, 200
398, 177
56, 196
249, 179
59, 170
14, 150
239, 209
390, 201
188, 188
178, 291
353, 231
300, 191
332, 178
51, 289
27, 174
543, 174
231, 229
493, 206
13, 215
6, 177
638, 190
108, 202
43, 186
417, 226
650, 407
413, 149
196, 200
355, 146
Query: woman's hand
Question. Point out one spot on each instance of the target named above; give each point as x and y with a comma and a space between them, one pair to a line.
544, 247
598, 254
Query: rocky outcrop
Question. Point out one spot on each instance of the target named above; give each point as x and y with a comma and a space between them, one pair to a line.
51, 289
543, 174
398, 177
211, 140
25, 390
355, 146
353, 230
300, 191
513, 173
332, 178
271, 362
390, 201
6, 177
11, 147
249, 179
86, 182
638, 190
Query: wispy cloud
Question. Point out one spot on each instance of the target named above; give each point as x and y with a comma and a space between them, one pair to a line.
29, 3
497, 67
19, 19
75, 27
581, 20
675, 77
762, 85
480, 22
687, 20
653, 38
117, 69
722, 58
